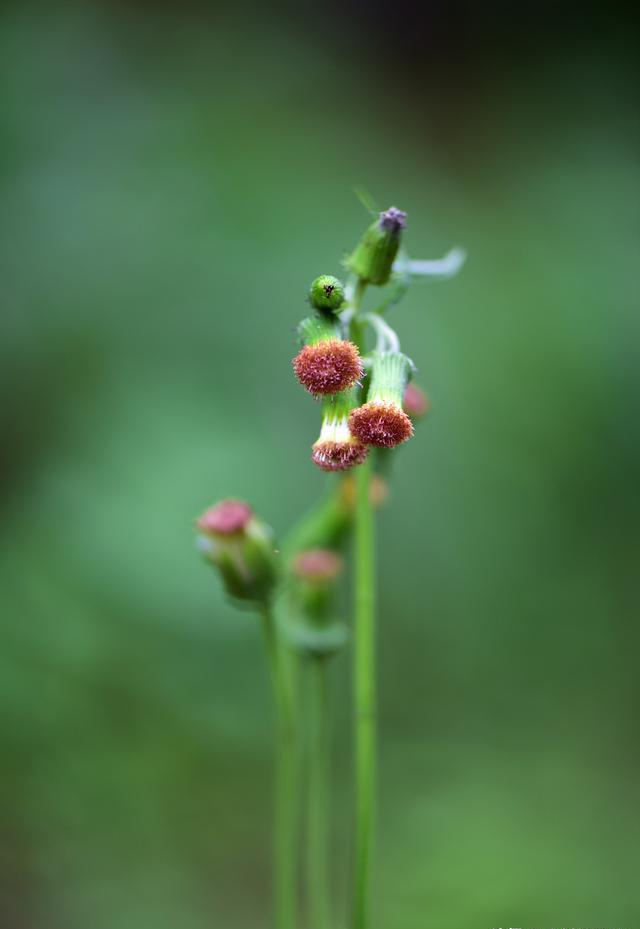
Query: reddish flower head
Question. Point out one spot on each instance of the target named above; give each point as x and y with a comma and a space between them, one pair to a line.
384, 425
229, 517
339, 456
328, 367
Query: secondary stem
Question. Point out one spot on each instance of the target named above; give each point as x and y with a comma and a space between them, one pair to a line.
285, 896
318, 877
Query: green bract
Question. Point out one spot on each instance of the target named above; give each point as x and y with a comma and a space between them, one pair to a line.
319, 328
390, 374
246, 561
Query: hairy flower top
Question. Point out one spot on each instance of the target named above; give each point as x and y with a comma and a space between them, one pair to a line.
415, 402
328, 367
229, 517
328, 363
317, 565
384, 425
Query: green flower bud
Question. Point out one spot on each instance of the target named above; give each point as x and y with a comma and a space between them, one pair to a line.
373, 258
241, 548
316, 571
327, 293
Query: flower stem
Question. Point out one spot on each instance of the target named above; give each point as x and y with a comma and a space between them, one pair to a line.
318, 875
364, 694
364, 672
285, 895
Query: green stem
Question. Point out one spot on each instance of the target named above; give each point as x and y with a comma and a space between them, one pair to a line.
357, 326
318, 872
364, 694
285, 895
364, 669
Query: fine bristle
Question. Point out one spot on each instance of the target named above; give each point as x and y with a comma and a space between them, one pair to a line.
225, 518
328, 367
318, 564
384, 425
338, 456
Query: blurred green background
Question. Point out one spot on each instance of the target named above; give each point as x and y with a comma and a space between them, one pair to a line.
171, 179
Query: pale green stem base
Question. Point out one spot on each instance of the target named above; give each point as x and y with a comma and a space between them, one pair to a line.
319, 753
364, 695
285, 831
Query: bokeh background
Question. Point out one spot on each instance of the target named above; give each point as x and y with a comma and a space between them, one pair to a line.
171, 178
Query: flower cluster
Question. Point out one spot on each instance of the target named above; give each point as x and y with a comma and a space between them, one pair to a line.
366, 401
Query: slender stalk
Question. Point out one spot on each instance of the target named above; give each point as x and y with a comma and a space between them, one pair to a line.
364, 695
285, 892
364, 672
357, 324
318, 872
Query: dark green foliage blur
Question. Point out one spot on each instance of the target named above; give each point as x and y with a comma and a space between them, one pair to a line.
170, 184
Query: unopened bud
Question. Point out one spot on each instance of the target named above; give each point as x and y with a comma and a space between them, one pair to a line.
315, 632
415, 402
317, 566
241, 546
328, 363
373, 258
336, 449
381, 421
327, 293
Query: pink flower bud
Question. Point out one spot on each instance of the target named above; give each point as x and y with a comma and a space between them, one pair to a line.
229, 517
317, 565
415, 402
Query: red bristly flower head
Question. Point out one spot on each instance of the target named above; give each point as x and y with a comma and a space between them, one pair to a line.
384, 425
328, 366
336, 449
339, 456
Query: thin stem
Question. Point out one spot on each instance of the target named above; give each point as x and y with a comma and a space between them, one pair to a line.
285, 895
364, 669
364, 694
357, 325
318, 873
